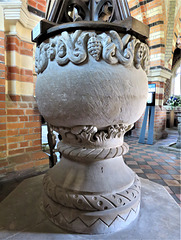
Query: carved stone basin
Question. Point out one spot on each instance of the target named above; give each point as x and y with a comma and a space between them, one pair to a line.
91, 79
91, 87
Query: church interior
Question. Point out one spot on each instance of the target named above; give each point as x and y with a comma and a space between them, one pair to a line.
28, 144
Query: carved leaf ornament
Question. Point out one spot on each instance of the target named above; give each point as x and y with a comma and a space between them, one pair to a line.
80, 45
91, 133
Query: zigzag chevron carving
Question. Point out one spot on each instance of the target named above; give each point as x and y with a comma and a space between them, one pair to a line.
62, 219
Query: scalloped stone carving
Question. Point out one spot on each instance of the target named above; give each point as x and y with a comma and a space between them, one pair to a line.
77, 47
92, 202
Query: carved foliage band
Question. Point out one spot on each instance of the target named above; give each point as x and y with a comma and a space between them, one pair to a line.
91, 134
80, 45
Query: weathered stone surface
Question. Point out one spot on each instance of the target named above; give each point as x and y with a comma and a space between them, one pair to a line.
91, 87
86, 91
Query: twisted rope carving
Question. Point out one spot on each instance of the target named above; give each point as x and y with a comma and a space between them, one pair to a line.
77, 153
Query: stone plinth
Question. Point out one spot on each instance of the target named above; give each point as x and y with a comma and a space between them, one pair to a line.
21, 217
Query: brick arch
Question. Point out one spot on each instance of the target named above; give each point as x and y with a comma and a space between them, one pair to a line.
177, 30
174, 30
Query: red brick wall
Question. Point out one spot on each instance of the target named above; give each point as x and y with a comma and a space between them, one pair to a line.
20, 127
14, 43
21, 140
23, 125
38, 4
160, 123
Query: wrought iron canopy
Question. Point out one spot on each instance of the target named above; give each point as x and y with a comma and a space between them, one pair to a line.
68, 15
63, 11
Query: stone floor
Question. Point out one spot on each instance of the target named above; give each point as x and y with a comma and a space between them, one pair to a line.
158, 165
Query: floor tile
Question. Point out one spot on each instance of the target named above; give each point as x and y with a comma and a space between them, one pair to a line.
153, 163
138, 170
142, 175
166, 158
173, 157
165, 165
148, 171
178, 196
135, 154
169, 161
172, 172
177, 177
159, 181
162, 171
177, 167
146, 156
142, 163
172, 182
132, 163
168, 167
159, 160
133, 166
166, 176
156, 167
174, 164
140, 160
153, 176
175, 198
145, 166
168, 189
